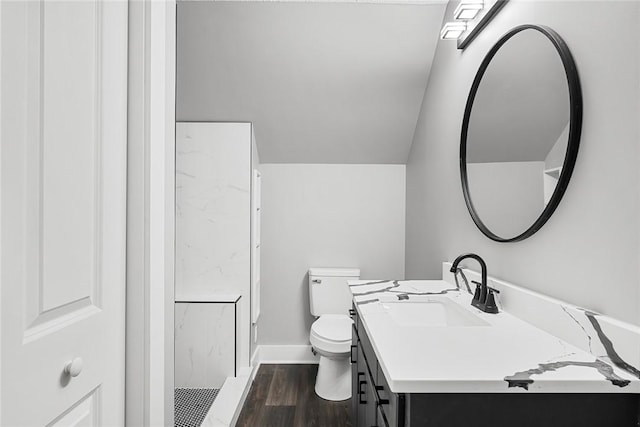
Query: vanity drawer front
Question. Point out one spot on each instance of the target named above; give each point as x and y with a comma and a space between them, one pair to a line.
389, 400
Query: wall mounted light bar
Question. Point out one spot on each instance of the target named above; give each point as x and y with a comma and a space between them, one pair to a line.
466, 11
453, 30
470, 16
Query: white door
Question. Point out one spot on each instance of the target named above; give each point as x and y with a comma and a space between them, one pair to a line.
63, 107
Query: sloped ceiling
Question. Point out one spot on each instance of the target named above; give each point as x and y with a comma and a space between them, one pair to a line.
322, 82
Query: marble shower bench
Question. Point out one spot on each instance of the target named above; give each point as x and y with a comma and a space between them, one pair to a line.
205, 339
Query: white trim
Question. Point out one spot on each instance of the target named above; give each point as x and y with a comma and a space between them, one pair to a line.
225, 410
1, 145
637, 320
286, 354
150, 234
255, 362
1, 150
161, 108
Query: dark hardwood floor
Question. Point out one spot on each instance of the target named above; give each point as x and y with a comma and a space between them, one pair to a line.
283, 395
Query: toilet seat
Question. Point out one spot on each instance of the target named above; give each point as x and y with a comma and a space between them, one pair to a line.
331, 333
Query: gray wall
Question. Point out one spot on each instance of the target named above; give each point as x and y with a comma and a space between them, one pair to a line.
555, 158
587, 253
324, 216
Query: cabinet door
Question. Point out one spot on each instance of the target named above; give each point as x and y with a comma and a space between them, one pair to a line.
354, 379
360, 395
390, 404
381, 421
371, 405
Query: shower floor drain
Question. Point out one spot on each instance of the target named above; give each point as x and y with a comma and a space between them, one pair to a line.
192, 405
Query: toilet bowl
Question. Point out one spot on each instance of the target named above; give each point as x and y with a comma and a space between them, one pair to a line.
331, 338
330, 335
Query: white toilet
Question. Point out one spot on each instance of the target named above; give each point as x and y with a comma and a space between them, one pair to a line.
330, 301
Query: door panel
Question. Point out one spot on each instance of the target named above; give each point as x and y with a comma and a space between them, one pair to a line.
62, 210
69, 140
83, 414
63, 285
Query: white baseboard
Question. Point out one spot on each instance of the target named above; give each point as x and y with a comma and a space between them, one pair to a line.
285, 354
255, 363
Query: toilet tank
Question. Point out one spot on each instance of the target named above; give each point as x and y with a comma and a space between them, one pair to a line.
328, 290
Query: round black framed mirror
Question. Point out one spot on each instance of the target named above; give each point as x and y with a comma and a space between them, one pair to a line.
520, 133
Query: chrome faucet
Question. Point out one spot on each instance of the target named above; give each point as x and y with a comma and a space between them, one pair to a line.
483, 298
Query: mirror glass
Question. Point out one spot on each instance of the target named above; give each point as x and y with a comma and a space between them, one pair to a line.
517, 132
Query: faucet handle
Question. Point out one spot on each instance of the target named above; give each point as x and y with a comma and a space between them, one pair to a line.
481, 294
490, 305
476, 295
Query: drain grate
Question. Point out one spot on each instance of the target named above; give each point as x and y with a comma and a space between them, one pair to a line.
192, 404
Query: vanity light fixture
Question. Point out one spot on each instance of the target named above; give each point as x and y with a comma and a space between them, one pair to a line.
477, 13
453, 30
468, 10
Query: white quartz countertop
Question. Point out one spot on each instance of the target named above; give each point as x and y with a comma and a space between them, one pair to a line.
506, 355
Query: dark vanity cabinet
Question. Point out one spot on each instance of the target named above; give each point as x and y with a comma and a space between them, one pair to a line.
374, 405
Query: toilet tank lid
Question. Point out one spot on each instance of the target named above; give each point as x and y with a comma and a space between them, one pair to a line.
334, 272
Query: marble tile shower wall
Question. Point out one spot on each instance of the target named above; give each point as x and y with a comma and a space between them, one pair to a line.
609, 339
213, 199
212, 209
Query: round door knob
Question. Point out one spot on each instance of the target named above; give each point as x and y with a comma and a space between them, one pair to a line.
73, 367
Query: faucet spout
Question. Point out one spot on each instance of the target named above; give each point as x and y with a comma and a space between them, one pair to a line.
485, 294
483, 265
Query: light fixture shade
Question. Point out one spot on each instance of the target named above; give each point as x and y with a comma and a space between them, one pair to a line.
453, 30
467, 10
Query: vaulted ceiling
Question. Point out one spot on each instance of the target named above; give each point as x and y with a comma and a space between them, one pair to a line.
322, 82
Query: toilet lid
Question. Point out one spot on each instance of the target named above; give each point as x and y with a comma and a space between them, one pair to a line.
334, 327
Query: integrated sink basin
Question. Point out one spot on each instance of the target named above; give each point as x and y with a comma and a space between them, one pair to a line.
431, 312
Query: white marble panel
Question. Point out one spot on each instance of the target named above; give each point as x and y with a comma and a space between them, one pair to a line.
213, 197
204, 344
213, 216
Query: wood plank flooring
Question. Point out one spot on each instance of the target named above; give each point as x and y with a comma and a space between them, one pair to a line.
283, 396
